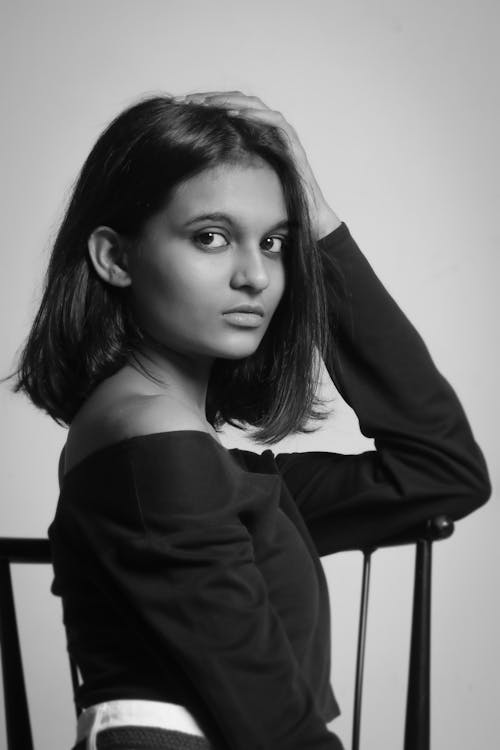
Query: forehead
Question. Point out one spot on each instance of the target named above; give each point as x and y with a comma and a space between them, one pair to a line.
248, 192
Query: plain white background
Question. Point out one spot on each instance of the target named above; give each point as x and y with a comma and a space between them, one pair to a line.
397, 104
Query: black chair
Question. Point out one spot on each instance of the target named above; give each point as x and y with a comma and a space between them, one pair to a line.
417, 724
17, 721
417, 735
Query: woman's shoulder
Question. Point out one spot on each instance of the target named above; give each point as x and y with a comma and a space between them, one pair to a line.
145, 457
111, 419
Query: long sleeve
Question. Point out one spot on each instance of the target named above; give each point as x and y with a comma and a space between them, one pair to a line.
176, 561
426, 460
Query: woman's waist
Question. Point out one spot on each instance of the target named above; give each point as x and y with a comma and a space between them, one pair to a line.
91, 693
109, 675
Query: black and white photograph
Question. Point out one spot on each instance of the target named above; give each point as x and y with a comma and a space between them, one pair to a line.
248, 383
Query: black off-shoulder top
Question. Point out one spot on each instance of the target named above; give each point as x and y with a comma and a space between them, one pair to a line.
191, 573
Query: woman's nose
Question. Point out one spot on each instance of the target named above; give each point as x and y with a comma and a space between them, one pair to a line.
250, 270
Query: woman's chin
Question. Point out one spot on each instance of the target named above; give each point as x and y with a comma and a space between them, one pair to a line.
238, 351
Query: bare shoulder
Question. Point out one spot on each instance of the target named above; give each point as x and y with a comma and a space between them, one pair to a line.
107, 420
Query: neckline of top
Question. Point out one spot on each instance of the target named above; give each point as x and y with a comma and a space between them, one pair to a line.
135, 438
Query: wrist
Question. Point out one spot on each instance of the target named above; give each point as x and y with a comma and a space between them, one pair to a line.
327, 222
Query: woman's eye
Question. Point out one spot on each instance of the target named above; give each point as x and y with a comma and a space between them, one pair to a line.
278, 244
211, 239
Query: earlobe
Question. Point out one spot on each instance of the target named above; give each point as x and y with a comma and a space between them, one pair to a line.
108, 256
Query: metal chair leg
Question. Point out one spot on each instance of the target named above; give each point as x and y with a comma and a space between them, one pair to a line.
16, 704
417, 729
360, 660
74, 681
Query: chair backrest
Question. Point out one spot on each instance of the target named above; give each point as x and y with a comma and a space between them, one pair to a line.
417, 723
17, 721
417, 735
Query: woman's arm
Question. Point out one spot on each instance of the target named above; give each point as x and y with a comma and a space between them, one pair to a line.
426, 460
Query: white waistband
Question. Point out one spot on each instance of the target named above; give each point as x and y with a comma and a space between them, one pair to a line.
142, 713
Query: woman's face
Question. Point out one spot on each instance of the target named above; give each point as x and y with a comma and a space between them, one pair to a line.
218, 244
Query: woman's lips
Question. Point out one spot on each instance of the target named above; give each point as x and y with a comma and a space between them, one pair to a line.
244, 319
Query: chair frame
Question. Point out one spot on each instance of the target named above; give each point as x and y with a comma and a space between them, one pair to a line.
417, 722
18, 727
417, 726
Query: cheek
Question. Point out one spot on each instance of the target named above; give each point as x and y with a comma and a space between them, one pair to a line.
279, 285
174, 297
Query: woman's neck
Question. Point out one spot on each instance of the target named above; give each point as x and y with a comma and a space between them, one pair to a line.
183, 377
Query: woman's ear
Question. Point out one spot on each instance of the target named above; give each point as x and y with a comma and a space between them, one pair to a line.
108, 255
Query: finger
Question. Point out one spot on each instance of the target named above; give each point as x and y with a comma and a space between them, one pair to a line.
235, 100
217, 93
222, 99
265, 115
205, 94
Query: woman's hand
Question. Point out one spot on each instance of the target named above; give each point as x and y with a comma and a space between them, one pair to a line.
324, 220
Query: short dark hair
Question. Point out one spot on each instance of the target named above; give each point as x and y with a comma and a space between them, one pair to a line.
84, 332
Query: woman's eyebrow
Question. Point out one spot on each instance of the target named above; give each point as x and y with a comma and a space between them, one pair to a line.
217, 216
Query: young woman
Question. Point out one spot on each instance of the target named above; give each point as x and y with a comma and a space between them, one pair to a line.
198, 278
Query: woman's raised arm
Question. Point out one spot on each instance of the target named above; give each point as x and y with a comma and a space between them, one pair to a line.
426, 460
